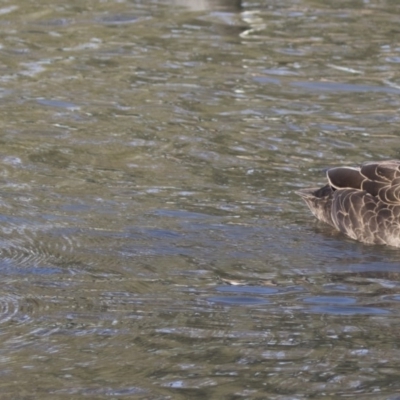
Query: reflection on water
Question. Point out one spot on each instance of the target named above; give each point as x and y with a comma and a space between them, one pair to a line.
151, 243
204, 5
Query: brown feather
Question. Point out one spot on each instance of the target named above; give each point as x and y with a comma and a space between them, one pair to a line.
363, 203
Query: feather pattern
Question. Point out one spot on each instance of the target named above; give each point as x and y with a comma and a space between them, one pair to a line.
363, 202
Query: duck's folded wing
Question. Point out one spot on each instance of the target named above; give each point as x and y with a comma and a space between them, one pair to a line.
378, 179
383, 171
383, 180
345, 177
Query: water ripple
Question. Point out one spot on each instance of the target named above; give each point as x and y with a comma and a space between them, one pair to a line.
10, 308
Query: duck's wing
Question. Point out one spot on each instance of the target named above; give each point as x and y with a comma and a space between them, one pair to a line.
382, 171
380, 179
387, 173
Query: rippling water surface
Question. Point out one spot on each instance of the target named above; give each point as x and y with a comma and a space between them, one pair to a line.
151, 244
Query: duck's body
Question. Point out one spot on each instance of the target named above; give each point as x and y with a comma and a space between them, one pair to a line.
363, 202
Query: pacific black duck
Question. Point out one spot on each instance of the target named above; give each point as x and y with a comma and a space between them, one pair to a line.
362, 202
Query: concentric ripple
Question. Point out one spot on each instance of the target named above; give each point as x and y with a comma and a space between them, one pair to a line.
10, 306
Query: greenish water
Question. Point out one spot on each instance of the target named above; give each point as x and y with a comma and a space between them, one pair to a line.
151, 244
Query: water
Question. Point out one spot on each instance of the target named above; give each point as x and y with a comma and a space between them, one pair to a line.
151, 244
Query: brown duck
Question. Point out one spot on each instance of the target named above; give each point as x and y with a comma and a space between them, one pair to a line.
363, 202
